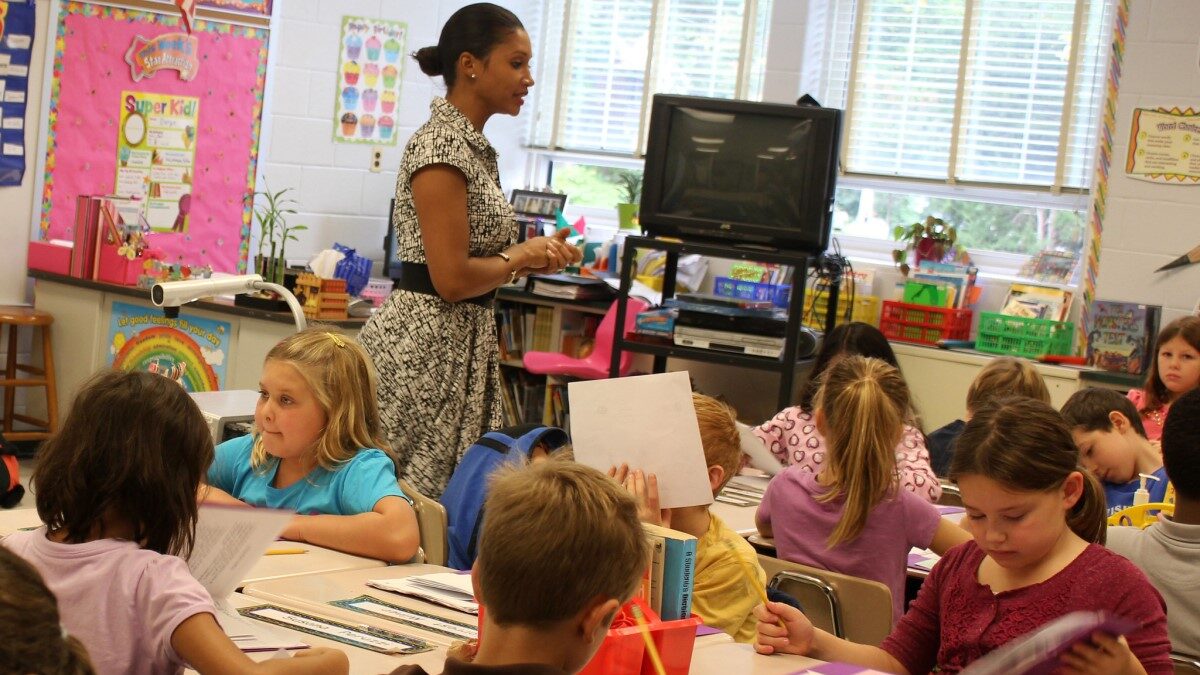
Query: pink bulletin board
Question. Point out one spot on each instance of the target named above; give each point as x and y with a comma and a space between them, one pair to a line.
89, 75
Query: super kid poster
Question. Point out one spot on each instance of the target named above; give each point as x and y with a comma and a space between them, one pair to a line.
189, 349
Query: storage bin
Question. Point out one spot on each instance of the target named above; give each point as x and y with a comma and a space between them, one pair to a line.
1021, 336
115, 268
777, 294
376, 291
923, 325
49, 257
866, 309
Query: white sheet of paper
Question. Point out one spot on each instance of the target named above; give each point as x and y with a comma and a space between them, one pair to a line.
19, 41
647, 422
229, 541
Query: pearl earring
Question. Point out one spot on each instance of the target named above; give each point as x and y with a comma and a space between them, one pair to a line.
472, 76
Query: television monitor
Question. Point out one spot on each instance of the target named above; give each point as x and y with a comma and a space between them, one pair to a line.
741, 171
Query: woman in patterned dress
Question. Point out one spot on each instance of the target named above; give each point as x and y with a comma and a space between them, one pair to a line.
434, 340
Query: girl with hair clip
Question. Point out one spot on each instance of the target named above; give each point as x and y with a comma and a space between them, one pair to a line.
852, 517
791, 437
1174, 372
34, 640
318, 449
1037, 519
116, 491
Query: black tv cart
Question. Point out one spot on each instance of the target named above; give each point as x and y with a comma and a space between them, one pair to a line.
788, 361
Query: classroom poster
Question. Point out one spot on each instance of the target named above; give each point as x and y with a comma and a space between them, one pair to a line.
189, 349
156, 158
370, 66
1164, 146
16, 47
262, 7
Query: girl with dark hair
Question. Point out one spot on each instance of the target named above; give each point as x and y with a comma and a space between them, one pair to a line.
1174, 372
791, 438
434, 340
1037, 522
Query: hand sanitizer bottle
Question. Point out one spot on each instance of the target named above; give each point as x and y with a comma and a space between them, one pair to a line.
1142, 495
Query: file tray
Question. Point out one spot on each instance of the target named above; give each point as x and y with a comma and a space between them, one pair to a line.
624, 649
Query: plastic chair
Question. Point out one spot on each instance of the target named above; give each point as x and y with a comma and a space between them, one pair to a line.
1140, 516
432, 522
859, 610
594, 366
1185, 665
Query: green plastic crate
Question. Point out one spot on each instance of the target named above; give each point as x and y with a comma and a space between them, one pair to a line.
1019, 336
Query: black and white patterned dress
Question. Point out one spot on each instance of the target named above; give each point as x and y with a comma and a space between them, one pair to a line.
438, 361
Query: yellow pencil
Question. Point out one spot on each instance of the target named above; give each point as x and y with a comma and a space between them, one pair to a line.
650, 648
751, 577
285, 551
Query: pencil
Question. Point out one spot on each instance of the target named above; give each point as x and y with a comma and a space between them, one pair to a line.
284, 551
751, 577
650, 648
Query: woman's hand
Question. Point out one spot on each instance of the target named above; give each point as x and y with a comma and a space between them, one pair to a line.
546, 255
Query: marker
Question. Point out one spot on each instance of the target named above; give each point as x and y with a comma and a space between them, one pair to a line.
285, 551
650, 648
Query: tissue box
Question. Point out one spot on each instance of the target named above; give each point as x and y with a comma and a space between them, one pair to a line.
49, 257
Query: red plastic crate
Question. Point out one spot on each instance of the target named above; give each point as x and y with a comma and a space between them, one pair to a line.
923, 325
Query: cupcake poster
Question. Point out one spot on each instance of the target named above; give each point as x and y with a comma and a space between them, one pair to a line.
368, 85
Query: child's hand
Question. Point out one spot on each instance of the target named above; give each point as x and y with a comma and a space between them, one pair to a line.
1102, 655
619, 473
644, 489
795, 637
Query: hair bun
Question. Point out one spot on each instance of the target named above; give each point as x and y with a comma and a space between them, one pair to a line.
428, 60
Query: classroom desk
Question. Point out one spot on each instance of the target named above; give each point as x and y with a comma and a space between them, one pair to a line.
740, 519
18, 519
317, 560
721, 657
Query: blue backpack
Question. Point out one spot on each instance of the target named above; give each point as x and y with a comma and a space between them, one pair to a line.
467, 489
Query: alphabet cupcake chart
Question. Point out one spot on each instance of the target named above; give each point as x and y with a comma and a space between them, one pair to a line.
370, 69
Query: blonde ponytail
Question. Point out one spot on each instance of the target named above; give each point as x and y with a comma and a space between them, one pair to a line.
863, 402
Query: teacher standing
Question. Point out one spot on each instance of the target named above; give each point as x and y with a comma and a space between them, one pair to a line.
434, 340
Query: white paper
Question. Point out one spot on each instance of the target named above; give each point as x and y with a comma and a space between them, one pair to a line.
18, 70
332, 630
14, 123
229, 541
647, 422
14, 149
13, 96
444, 588
253, 636
5, 59
19, 41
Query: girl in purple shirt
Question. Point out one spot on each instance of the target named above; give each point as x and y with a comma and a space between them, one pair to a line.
1037, 519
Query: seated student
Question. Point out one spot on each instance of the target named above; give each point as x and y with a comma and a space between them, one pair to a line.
723, 597
318, 449
1113, 445
790, 438
33, 639
1174, 371
1169, 551
1002, 376
853, 517
560, 552
116, 491
1037, 520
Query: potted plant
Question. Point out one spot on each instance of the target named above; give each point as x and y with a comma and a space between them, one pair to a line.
271, 213
931, 239
630, 183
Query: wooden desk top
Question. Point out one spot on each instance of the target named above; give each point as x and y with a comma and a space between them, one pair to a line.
317, 560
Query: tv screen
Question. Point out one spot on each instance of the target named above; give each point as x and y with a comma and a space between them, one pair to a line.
741, 171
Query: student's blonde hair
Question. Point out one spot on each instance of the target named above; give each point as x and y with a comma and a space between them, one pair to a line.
339, 373
1006, 376
718, 435
556, 535
31, 638
864, 402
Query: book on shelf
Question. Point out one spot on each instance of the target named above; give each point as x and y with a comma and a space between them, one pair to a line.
678, 570
1120, 336
1031, 301
1049, 265
569, 287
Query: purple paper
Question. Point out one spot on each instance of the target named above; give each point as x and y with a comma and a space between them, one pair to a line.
835, 669
702, 630
947, 510
1037, 653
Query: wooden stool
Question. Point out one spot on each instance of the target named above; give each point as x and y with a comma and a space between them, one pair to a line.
14, 318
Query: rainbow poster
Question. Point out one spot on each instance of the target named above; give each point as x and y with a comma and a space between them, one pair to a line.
189, 349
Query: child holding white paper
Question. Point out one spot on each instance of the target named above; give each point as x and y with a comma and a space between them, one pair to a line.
854, 517
1037, 519
116, 490
318, 449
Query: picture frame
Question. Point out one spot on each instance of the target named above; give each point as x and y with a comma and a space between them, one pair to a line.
538, 204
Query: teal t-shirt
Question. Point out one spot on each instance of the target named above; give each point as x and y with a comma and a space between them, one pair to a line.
353, 488
1120, 496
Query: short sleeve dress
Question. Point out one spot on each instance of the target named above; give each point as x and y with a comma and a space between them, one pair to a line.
438, 361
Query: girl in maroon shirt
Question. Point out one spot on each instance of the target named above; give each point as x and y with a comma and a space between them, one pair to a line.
1038, 521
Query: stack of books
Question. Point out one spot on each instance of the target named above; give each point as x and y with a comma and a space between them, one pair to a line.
570, 287
668, 583
1030, 301
945, 285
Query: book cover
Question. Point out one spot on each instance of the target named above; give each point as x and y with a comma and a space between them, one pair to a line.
1120, 336
1037, 653
657, 552
679, 562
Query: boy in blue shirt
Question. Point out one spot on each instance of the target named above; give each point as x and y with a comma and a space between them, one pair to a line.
1113, 445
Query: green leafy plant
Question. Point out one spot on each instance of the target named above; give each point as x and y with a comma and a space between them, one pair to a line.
930, 239
630, 183
271, 212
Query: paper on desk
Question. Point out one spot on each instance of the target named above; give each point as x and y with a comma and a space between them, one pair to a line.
252, 636
444, 588
637, 290
647, 422
229, 541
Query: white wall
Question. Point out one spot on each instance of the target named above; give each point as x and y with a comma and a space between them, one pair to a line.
1150, 224
340, 198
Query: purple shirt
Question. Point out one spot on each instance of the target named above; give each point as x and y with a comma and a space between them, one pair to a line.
121, 601
802, 525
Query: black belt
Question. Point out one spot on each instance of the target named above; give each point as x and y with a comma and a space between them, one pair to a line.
415, 277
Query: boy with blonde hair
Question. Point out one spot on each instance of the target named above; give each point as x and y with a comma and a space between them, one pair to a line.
723, 596
561, 550
1003, 376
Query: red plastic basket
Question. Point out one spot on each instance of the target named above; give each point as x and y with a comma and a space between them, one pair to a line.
923, 325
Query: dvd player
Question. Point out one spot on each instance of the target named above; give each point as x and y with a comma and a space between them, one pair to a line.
727, 341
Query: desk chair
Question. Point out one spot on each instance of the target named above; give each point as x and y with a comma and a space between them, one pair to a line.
431, 520
1185, 665
43, 376
594, 366
859, 610
951, 496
